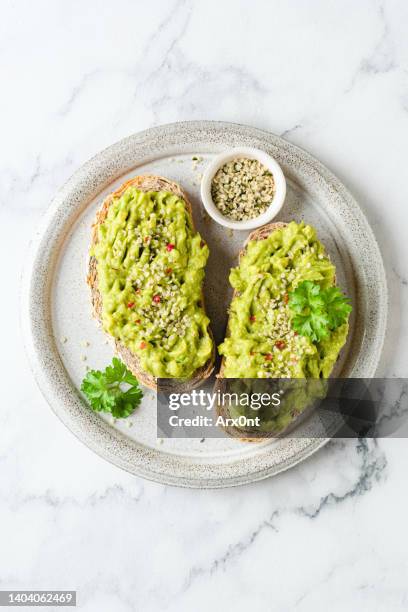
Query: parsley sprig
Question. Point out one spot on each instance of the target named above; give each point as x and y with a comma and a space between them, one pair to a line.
317, 311
113, 390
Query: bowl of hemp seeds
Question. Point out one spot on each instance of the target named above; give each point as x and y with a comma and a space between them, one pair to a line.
243, 188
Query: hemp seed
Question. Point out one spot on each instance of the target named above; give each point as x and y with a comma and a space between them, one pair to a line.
242, 189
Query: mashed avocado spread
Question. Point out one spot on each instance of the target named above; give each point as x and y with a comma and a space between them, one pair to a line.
261, 342
150, 264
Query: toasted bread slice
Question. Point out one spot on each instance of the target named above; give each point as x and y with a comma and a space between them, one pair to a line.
144, 182
258, 234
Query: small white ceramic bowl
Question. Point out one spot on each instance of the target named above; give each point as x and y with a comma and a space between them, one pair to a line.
276, 202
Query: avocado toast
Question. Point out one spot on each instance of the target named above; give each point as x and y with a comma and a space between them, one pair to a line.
261, 341
146, 270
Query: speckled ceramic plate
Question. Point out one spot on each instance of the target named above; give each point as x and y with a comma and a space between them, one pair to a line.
60, 332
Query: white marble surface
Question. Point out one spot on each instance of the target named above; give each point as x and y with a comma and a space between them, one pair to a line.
77, 76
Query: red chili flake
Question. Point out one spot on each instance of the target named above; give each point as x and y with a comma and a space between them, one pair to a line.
147, 238
169, 270
131, 304
202, 244
143, 345
280, 344
268, 357
252, 318
170, 246
296, 333
286, 298
252, 353
156, 298
137, 321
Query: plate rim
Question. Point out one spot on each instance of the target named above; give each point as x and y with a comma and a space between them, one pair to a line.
42, 369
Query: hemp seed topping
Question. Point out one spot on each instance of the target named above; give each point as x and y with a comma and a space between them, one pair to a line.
242, 189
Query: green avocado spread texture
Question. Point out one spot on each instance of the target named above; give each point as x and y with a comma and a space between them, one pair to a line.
261, 342
150, 265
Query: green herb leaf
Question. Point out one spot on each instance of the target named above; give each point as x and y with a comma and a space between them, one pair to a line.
106, 390
337, 306
317, 311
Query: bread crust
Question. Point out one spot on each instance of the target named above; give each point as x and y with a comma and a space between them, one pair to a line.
143, 182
